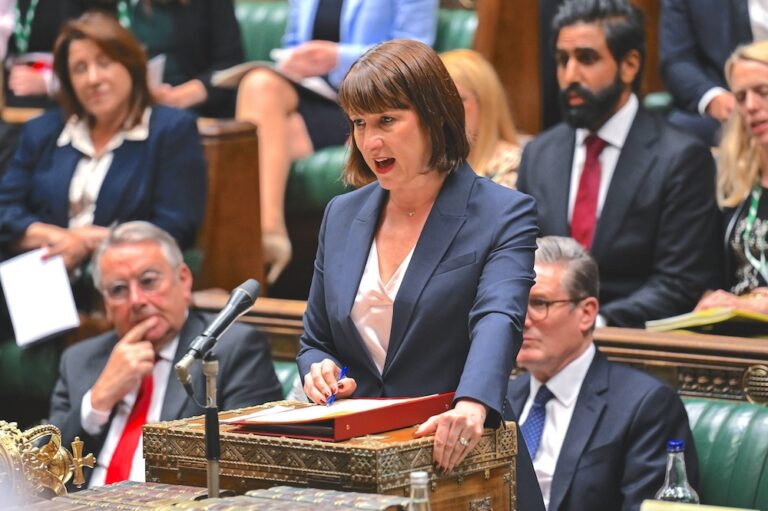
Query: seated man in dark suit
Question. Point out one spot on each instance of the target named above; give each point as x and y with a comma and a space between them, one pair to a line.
696, 37
637, 193
110, 385
596, 430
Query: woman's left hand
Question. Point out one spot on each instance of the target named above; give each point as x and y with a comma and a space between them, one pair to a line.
313, 58
72, 247
456, 431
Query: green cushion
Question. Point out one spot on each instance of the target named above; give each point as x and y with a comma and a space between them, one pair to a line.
286, 372
455, 29
314, 181
30, 372
732, 445
262, 25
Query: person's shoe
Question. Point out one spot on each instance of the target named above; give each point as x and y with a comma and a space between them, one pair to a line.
277, 254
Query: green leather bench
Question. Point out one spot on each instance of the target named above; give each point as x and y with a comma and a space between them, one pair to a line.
732, 445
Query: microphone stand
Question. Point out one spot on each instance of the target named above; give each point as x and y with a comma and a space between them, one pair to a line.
212, 445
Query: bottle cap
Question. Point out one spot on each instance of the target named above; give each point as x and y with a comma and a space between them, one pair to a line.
675, 446
420, 477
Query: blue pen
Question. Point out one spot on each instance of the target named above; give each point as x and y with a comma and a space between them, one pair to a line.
342, 374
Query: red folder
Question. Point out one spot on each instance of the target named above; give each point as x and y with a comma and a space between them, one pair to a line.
342, 425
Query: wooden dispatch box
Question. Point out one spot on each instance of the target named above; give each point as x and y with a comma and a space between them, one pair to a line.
174, 452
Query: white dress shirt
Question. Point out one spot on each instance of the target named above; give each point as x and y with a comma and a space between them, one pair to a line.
565, 386
614, 132
93, 421
7, 24
90, 171
372, 310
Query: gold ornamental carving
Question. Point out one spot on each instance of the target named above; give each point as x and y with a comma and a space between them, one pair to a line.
756, 384
33, 463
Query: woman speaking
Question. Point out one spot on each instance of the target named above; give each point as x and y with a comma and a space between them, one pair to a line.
422, 275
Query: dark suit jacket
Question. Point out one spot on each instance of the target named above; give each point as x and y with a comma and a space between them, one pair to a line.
161, 180
246, 377
458, 315
696, 37
657, 241
614, 453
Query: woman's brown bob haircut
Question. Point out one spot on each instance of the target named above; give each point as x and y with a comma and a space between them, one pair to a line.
119, 45
405, 74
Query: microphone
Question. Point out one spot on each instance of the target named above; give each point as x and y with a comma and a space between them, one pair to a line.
239, 302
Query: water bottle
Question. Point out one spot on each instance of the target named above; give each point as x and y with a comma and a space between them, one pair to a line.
676, 487
419, 492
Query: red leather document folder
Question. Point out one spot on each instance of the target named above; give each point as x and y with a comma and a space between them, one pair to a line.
345, 419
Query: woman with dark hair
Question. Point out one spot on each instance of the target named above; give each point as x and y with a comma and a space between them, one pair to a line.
321, 41
108, 157
422, 275
197, 38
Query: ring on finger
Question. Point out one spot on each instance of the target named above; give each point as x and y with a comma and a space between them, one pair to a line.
463, 442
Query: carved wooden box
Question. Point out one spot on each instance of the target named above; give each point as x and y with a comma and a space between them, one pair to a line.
485, 481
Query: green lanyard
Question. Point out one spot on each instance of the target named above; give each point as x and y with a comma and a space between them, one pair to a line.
759, 265
24, 27
124, 13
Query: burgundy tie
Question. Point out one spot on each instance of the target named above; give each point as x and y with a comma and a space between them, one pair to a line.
585, 208
119, 468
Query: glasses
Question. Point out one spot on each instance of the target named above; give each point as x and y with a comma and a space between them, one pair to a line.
538, 308
149, 282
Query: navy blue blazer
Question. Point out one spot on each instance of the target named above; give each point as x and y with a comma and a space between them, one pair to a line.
657, 241
458, 316
161, 180
614, 453
696, 37
246, 378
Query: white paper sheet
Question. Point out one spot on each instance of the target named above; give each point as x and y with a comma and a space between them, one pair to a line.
155, 70
38, 295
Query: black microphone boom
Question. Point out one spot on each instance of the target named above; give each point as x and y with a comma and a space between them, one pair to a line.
239, 302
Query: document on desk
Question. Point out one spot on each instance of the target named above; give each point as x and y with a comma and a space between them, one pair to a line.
39, 296
345, 419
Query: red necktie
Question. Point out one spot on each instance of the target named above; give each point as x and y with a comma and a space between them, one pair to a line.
120, 465
585, 208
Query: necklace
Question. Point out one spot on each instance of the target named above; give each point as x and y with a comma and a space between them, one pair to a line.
758, 264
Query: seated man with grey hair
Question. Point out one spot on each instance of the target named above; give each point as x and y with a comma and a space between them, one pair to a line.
596, 430
111, 385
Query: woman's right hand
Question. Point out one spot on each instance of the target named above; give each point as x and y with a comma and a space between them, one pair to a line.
718, 298
321, 382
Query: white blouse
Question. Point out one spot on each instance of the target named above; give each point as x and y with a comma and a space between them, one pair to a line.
90, 172
372, 310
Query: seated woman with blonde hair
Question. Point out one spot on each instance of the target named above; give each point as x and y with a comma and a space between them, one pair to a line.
742, 184
494, 147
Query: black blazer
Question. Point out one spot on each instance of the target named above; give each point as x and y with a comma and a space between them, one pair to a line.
246, 378
614, 453
657, 241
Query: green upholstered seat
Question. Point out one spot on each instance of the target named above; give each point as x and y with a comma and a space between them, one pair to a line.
732, 445
262, 25
317, 179
287, 372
